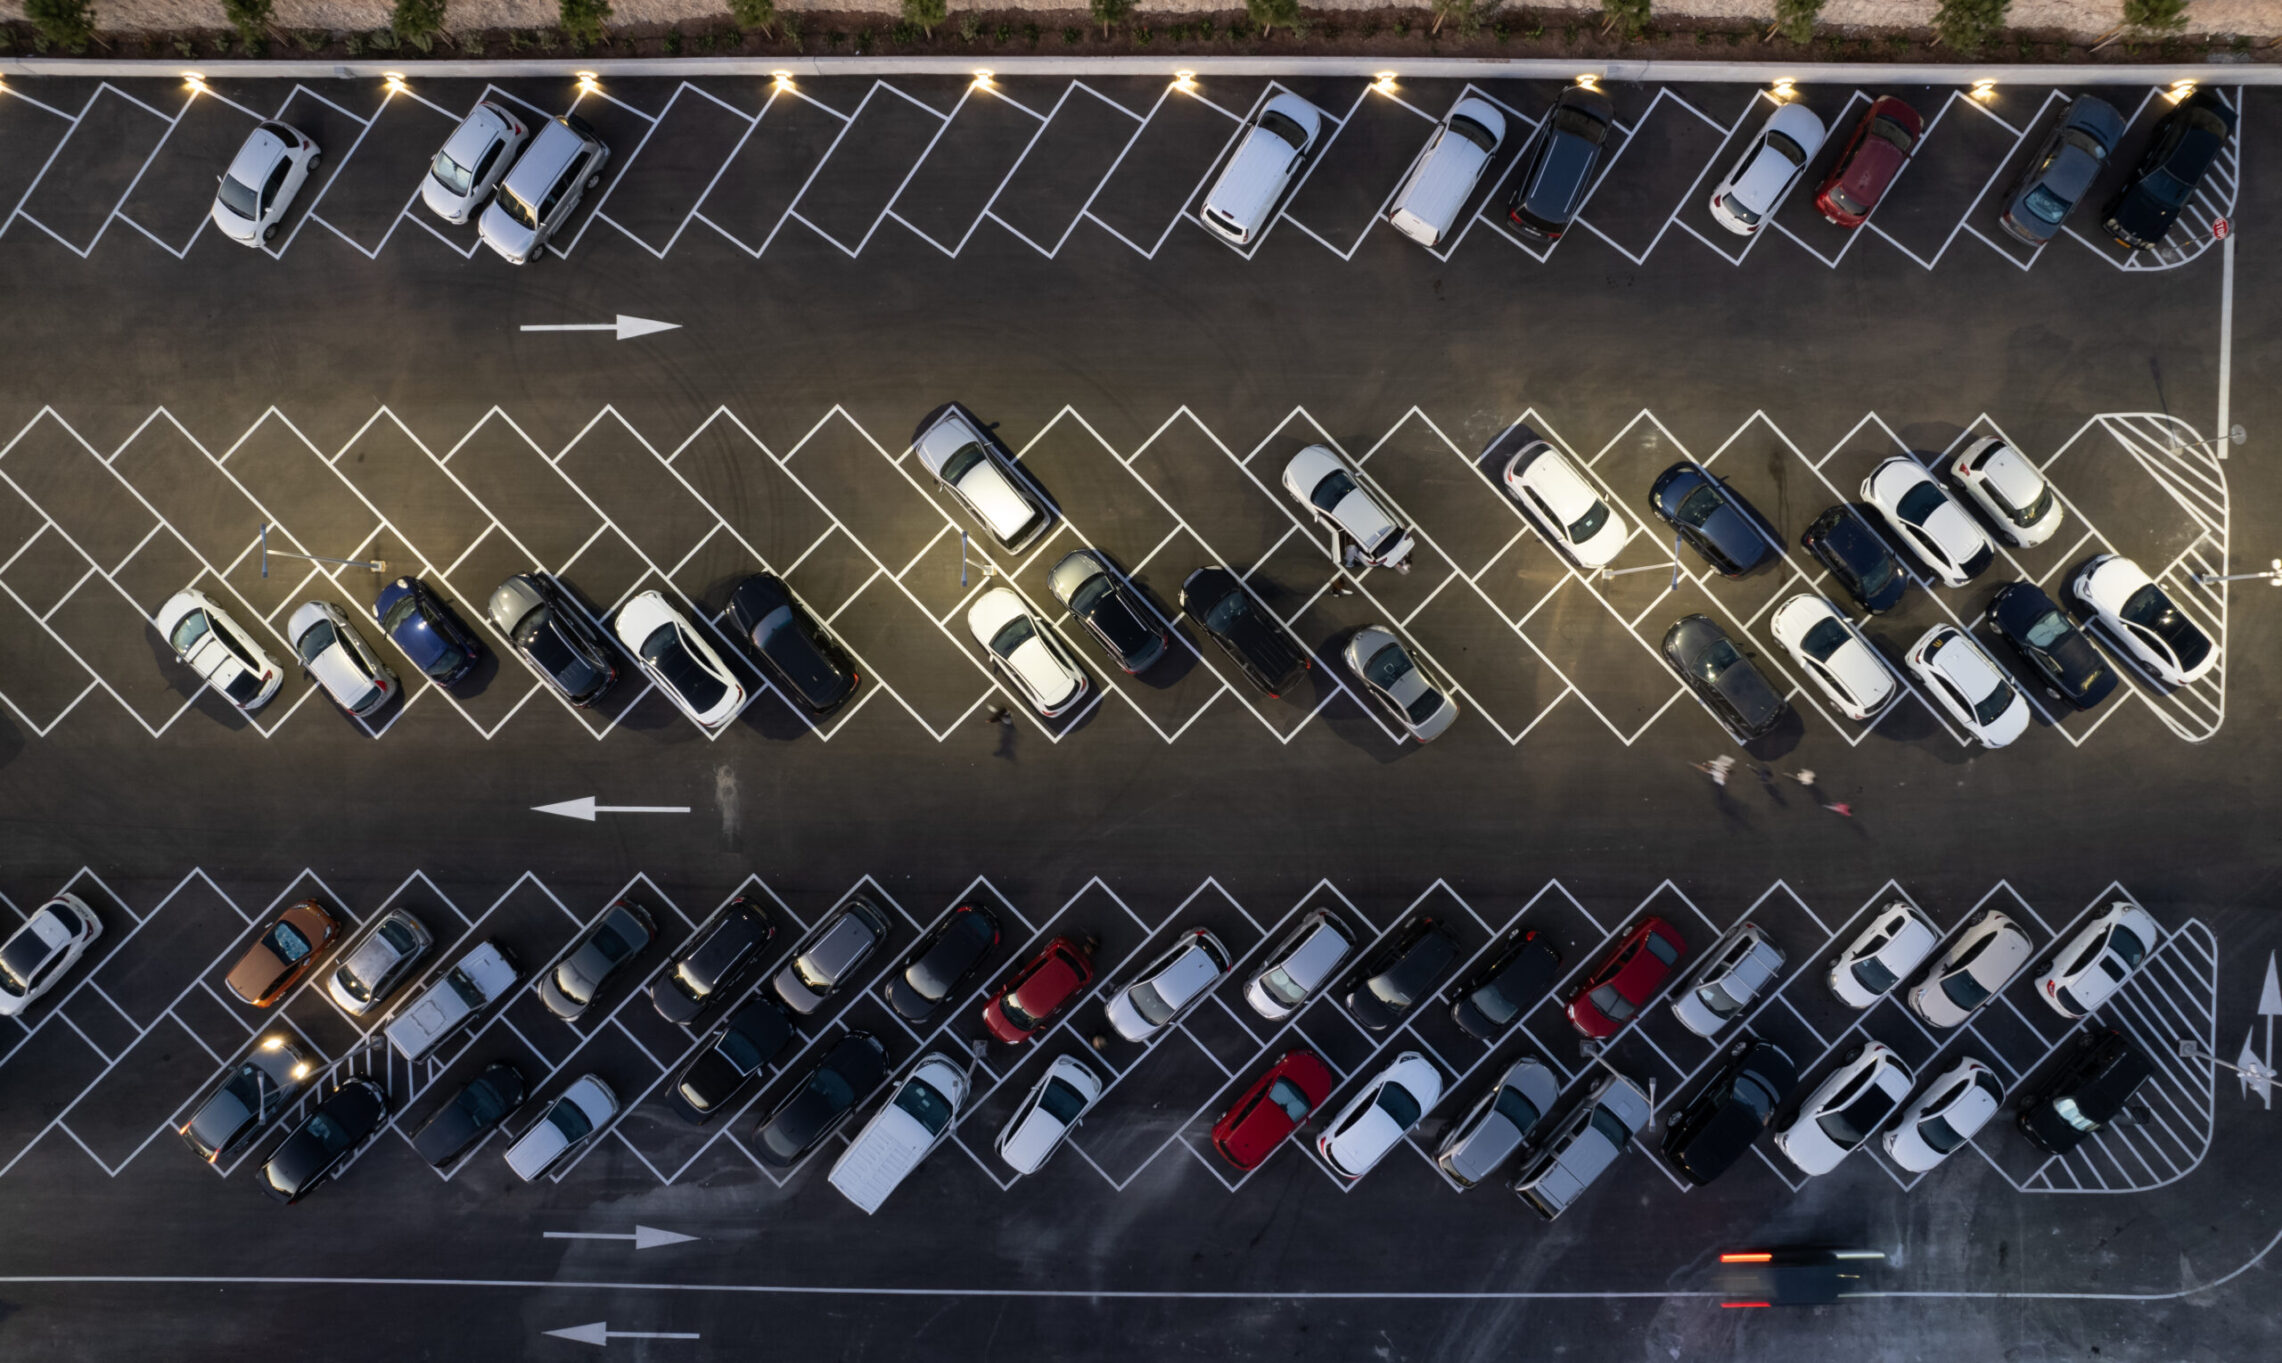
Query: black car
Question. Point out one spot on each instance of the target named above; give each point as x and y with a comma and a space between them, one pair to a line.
1401, 973
623, 932
721, 960
472, 1113
1858, 557
800, 655
428, 631
944, 959
346, 1122
1797, 1275
732, 1057
1106, 607
1722, 676
2056, 651
1719, 1124
2062, 170
2187, 141
1263, 649
1557, 170
848, 1074
2088, 1091
1711, 518
554, 636
1489, 1000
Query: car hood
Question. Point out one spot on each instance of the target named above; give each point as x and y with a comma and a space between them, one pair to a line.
1365, 1143
1730, 1128
945, 438
1810, 1149
507, 236
445, 202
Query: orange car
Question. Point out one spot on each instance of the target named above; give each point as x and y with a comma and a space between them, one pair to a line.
286, 950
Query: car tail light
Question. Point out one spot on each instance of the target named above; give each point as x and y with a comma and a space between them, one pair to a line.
1742, 1305
1751, 1257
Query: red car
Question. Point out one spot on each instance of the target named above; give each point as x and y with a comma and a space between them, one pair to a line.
1880, 147
1043, 986
1621, 985
1272, 1109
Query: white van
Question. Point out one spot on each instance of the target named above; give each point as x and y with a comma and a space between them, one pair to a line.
475, 982
1266, 162
915, 1119
1453, 163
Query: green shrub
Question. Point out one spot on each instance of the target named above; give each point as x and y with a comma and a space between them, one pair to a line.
1627, 18
1795, 19
2156, 16
1108, 12
1269, 13
69, 24
926, 14
760, 14
1965, 26
249, 17
418, 22
583, 20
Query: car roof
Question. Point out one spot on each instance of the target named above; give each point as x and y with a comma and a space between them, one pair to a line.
259, 154
1189, 973
1558, 482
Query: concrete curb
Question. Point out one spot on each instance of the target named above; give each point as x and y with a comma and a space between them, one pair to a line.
1454, 68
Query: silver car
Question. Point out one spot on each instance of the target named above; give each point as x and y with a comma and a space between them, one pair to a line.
479, 151
332, 652
1302, 964
1502, 1123
1418, 700
250, 198
543, 189
1732, 976
381, 960
567, 1125
830, 955
966, 463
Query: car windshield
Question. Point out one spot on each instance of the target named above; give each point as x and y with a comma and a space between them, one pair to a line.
1920, 502
1062, 1102
315, 640
552, 651
1872, 975
2152, 611
1279, 985
1614, 1006
451, 174
239, 197
567, 1118
1283, 127
1152, 1005
1992, 706
191, 629
1698, 506
665, 651
2048, 629
1396, 1102
1824, 639
1016, 1013
1512, 1106
1286, 1095
1661, 949
1717, 659
399, 613
739, 1050
482, 1103
1576, 122
1387, 666
1848, 1125
1495, 1004
2165, 188
1588, 525
1716, 998
1423, 707
2084, 142
23, 955
1963, 990
1474, 132
1938, 1133
516, 208
1332, 490
1013, 635
1091, 593
2046, 205
1756, 1096
837, 1093
1893, 134
927, 1107
963, 461
287, 942
1789, 150
1611, 1130
2069, 1112
329, 1133
1225, 612
1845, 201
2128, 948
2034, 511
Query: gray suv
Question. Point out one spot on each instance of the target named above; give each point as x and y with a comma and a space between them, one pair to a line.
562, 163
831, 954
1587, 1143
1500, 1124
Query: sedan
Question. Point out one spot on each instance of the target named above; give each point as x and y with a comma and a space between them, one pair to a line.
1321, 481
1627, 979
942, 963
1275, 1106
1854, 554
680, 661
554, 636
1881, 146
2132, 608
1976, 968
967, 464
1510, 982
43, 950
2187, 142
382, 959
1403, 972
285, 951
1176, 981
568, 1124
1768, 168
1101, 601
2099, 960
1712, 519
2062, 170
337, 657
1726, 681
427, 630
1380, 1114
1563, 506
1927, 519
257, 189
800, 655
716, 965
1482, 1141
732, 1057
1969, 685
2009, 491
1951, 1110
218, 650
1302, 963
1043, 987
250, 1094
623, 932
352, 1116
1030, 655
463, 174
2056, 651
1417, 699
839, 1083
831, 954
1845, 1109
1557, 170
470, 1114
1828, 647
1718, 1125
1887, 952
1048, 1114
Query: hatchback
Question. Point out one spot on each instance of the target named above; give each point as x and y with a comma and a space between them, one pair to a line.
800, 655
464, 172
1110, 610
717, 963
337, 657
566, 1127
2099, 960
624, 931
1846, 1109
1048, 1114
252, 196
218, 649
250, 1093
2132, 609
1976, 968
1764, 174
1557, 170
1301, 964
1926, 518
843, 1080
43, 949
1967, 683
478, 1109
1033, 659
944, 960
1480, 1143
1268, 157
2187, 143
1884, 954
1333, 493
1563, 506
1043, 986
2009, 491
678, 658
1722, 677
1857, 557
1627, 978
2056, 651
1402, 974
1827, 646
1711, 518
383, 958
1262, 649
830, 954
553, 635
1510, 982
1717, 1126
1380, 1114
1947, 1113
285, 951
966, 462
352, 1116
543, 188
1275, 1106
1394, 677
2062, 171
732, 1057
1881, 146
1734, 974
1172, 984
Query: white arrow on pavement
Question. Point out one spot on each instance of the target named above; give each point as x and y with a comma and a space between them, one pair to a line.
585, 808
599, 1332
626, 327
644, 1237
2256, 1077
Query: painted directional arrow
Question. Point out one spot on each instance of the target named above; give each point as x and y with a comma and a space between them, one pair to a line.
599, 1332
585, 808
626, 327
644, 1237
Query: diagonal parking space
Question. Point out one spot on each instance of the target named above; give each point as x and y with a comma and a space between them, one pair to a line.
372, 191
1653, 175
1165, 165
1954, 174
1361, 165
92, 171
887, 135
668, 172
749, 198
1059, 172
34, 129
991, 132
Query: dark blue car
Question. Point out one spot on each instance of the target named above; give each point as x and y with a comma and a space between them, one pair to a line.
425, 628
1857, 557
1712, 519
2064, 660
2063, 170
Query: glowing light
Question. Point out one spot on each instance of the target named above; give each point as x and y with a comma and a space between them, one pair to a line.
1383, 82
588, 82
392, 81
1784, 91
272, 1043
782, 78
2180, 89
1984, 88
1757, 1258
982, 76
195, 81
1589, 81
1184, 80
301, 1071
1743, 1305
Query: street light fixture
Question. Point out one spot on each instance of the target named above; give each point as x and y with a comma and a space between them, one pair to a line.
2272, 575
377, 565
990, 569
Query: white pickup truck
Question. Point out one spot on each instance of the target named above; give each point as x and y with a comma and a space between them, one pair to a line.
913, 1121
473, 983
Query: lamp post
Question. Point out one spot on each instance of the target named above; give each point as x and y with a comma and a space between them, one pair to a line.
2254, 1072
2272, 575
990, 569
378, 565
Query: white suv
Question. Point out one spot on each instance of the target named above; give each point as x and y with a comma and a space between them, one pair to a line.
204, 636
1268, 158
1323, 483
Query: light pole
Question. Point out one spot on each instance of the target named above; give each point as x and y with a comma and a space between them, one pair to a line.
2272, 575
990, 569
378, 565
2254, 1071
1608, 573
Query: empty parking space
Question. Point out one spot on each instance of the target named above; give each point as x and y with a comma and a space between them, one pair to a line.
748, 200
889, 133
1064, 166
669, 170
1161, 167
992, 130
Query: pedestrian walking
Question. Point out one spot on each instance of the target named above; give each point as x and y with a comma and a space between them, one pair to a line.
1766, 777
994, 714
1717, 769
1841, 809
1342, 587
1803, 776
1351, 556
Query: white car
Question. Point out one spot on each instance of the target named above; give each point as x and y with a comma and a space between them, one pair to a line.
1832, 651
1563, 506
1845, 1109
1053, 1109
1303, 963
269, 169
1380, 1115
1978, 965
2095, 964
1967, 683
337, 657
679, 660
1268, 157
2009, 490
1764, 174
1029, 653
568, 1124
203, 635
1925, 517
1950, 1112
2131, 608
479, 151
43, 950
1174, 983
1321, 481
1887, 952
1417, 699
966, 463
916, 1118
